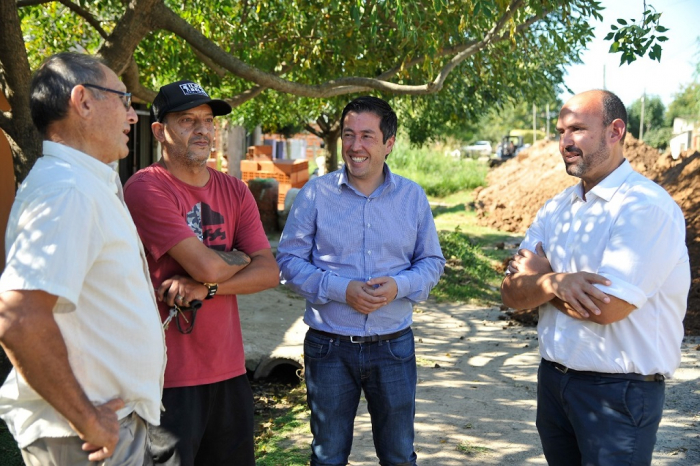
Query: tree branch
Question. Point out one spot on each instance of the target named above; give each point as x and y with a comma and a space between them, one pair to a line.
172, 22
313, 130
140, 18
218, 70
131, 78
448, 51
471, 50
77, 9
86, 15
245, 96
23, 3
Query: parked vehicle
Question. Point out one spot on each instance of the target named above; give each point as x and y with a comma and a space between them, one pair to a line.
476, 150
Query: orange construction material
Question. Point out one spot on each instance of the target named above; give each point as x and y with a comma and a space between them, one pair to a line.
288, 173
259, 153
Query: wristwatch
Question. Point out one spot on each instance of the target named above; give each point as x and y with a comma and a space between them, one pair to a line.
212, 287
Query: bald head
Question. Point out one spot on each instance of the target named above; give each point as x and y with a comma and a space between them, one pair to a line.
604, 103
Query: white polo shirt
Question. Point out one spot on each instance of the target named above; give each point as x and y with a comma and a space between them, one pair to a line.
70, 234
630, 231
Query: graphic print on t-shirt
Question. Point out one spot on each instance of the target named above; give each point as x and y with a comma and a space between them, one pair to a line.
207, 225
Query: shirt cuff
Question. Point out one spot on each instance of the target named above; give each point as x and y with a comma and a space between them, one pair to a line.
624, 291
403, 286
337, 288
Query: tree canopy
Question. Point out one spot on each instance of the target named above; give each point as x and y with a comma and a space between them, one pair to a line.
313, 49
654, 111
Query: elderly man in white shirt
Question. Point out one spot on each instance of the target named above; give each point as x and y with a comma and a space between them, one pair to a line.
78, 316
607, 264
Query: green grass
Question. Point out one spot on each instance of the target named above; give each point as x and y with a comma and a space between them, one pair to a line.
273, 446
474, 253
471, 274
438, 174
469, 449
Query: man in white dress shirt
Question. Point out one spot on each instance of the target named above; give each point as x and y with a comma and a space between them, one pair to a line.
78, 316
607, 264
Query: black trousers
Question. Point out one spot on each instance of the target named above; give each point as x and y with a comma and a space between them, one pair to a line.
206, 425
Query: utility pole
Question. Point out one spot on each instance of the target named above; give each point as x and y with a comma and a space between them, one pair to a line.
604, 76
641, 118
534, 124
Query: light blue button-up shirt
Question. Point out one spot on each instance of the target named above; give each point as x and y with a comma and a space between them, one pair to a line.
334, 234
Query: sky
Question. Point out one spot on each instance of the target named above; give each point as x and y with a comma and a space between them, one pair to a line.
681, 52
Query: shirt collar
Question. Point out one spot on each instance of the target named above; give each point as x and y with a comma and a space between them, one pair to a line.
609, 185
103, 171
389, 180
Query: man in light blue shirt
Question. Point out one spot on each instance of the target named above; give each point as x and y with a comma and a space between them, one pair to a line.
360, 245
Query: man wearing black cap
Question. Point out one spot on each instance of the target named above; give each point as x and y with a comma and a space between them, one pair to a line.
204, 241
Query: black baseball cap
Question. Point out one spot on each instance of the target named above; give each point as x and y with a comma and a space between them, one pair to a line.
183, 95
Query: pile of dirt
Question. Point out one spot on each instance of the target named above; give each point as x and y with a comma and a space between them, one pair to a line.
519, 187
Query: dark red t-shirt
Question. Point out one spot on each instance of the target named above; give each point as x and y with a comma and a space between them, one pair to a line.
224, 216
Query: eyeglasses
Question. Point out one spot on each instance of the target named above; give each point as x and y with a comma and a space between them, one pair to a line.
124, 96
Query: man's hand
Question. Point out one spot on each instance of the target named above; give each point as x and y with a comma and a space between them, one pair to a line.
185, 288
360, 296
573, 292
576, 289
383, 286
234, 257
102, 435
525, 261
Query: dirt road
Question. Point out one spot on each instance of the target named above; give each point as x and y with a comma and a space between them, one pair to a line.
477, 386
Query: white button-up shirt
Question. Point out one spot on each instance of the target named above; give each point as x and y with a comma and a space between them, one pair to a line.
630, 231
70, 234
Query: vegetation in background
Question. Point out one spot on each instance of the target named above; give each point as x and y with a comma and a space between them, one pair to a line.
470, 273
654, 111
686, 103
512, 119
438, 174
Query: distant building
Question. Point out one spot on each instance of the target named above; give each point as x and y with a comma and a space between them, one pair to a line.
686, 135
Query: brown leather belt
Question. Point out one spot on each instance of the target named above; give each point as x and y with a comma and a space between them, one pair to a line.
367, 339
626, 376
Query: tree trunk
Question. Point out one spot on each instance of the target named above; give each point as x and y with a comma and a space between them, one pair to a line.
15, 76
331, 140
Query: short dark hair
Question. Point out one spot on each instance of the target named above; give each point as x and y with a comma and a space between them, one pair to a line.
388, 121
53, 82
613, 108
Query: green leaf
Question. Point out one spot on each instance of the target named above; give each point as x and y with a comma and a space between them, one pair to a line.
621, 21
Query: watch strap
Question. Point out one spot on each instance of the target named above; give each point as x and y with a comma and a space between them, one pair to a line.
212, 289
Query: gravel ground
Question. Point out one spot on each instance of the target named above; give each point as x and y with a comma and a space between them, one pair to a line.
477, 387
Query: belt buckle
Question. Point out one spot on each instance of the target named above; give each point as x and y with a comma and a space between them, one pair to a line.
352, 339
560, 368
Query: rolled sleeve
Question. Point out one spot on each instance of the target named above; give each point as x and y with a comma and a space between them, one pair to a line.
634, 250
623, 290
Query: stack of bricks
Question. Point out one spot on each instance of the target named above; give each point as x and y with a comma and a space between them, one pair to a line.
288, 173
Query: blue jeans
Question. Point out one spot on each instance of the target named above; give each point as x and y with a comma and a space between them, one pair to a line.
594, 420
337, 372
